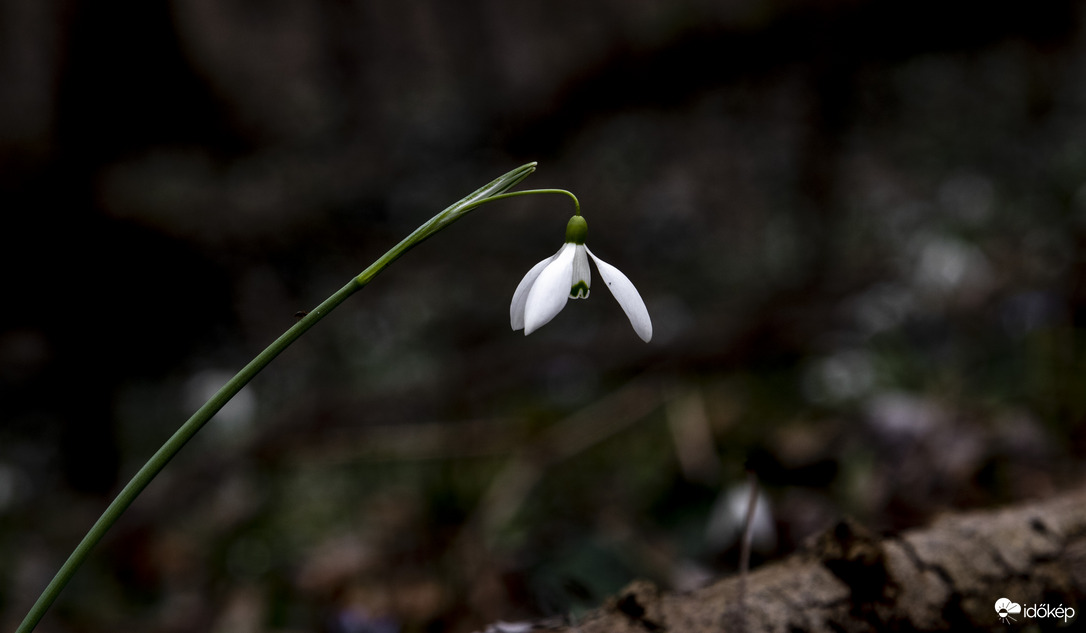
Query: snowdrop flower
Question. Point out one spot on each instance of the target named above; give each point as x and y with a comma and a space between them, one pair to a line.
543, 292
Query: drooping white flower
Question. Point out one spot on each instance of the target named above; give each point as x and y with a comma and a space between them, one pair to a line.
543, 292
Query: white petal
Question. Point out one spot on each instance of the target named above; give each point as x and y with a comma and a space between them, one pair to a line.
548, 294
627, 296
581, 274
520, 295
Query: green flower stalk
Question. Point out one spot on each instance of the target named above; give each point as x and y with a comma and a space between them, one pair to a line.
498, 189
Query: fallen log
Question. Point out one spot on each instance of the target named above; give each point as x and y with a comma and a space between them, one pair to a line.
947, 576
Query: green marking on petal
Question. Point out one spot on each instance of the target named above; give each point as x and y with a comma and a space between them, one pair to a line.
579, 291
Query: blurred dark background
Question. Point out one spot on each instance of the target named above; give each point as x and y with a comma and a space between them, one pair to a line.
858, 227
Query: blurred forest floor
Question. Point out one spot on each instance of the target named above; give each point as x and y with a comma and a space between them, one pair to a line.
858, 227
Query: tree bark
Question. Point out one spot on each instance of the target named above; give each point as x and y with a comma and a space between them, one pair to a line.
947, 576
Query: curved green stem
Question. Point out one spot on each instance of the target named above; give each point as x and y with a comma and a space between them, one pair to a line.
512, 194
495, 190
